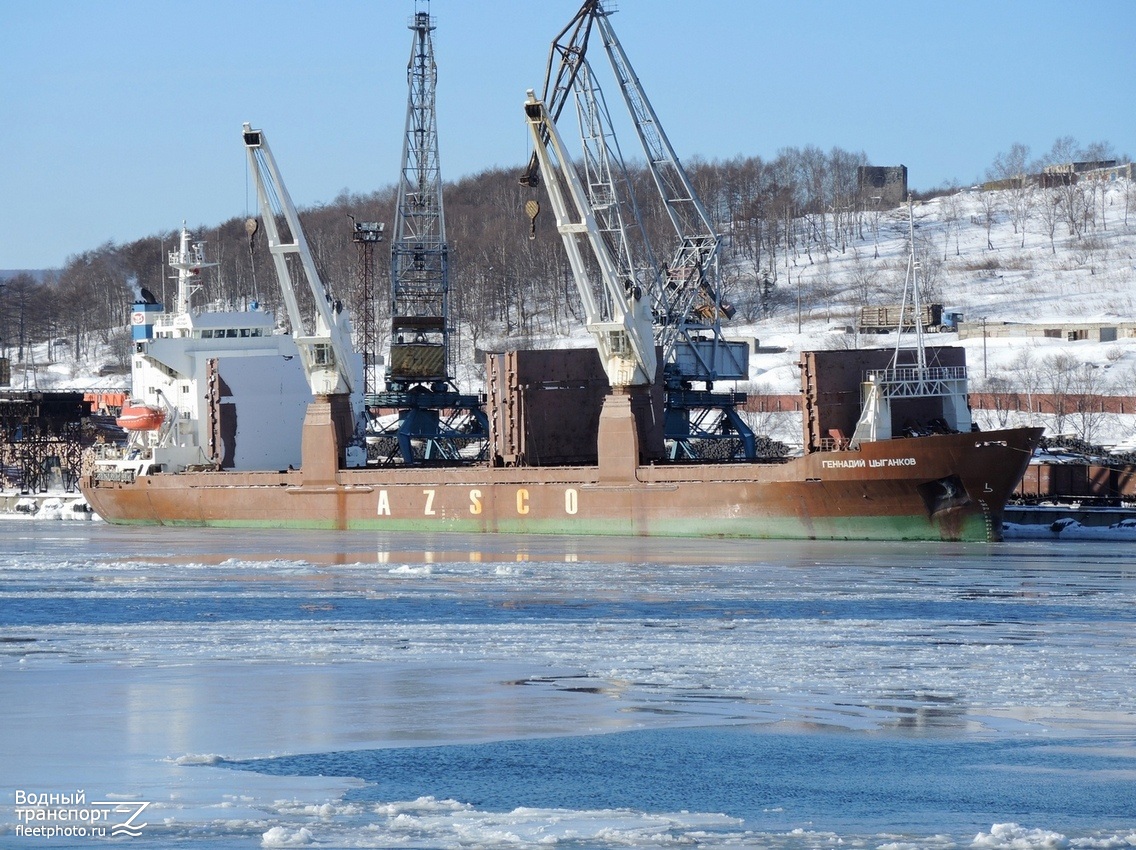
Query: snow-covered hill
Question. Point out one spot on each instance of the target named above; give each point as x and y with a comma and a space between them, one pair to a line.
999, 273
1008, 276
1087, 278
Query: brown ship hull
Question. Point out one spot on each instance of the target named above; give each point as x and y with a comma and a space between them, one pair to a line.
940, 487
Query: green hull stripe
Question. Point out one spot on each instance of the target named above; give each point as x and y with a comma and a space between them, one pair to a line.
972, 528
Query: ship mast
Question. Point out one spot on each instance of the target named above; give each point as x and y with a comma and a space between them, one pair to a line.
911, 281
947, 385
188, 260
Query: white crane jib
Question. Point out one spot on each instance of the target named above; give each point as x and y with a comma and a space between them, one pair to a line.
620, 318
324, 343
687, 305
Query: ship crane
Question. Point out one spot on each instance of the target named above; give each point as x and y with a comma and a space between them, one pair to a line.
685, 292
617, 312
436, 423
620, 318
323, 339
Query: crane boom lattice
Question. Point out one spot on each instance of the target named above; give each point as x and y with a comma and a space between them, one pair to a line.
686, 303
436, 423
419, 253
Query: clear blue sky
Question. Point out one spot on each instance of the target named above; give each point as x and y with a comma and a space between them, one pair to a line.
119, 119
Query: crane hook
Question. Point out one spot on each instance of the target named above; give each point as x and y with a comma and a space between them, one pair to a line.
532, 210
251, 227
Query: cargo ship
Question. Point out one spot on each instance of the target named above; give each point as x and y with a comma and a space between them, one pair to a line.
227, 433
596, 441
569, 456
946, 487
579, 441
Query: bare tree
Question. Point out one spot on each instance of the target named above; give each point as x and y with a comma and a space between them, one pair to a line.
950, 207
863, 279
1011, 168
1075, 206
842, 192
1049, 207
1087, 384
930, 268
24, 299
1059, 376
1000, 392
991, 204
1098, 152
1027, 377
1064, 153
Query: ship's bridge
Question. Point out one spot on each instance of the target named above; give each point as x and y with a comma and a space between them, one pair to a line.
219, 325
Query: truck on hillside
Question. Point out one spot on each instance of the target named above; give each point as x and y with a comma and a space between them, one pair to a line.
879, 320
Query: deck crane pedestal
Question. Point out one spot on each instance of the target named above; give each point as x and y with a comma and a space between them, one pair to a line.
332, 365
436, 423
685, 296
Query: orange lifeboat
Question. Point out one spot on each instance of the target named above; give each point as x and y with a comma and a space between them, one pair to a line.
140, 417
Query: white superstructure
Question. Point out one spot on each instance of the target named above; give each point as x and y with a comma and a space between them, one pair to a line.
228, 389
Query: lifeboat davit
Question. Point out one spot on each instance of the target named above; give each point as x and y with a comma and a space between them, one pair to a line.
140, 417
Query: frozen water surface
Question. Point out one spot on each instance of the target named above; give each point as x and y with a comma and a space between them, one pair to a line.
361, 690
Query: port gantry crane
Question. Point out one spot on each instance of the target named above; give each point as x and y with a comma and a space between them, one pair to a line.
435, 420
684, 294
330, 362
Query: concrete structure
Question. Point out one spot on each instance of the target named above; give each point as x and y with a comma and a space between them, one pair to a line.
1070, 331
888, 183
1066, 173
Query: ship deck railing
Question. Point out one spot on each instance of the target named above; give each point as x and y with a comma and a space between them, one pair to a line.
916, 382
